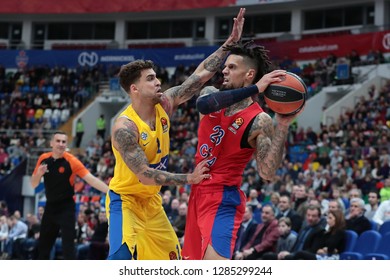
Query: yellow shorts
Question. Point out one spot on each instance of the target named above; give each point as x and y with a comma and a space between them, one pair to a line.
142, 224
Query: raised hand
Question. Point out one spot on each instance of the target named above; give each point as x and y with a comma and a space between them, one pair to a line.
238, 26
269, 78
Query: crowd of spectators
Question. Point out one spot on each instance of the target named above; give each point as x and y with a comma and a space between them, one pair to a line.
351, 154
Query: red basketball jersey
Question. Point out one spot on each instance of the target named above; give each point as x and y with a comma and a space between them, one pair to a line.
219, 139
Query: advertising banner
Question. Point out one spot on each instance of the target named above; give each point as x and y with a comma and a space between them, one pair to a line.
306, 49
167, 57
312, 48
104, 6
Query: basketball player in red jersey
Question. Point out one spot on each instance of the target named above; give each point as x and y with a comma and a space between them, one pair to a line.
228, 137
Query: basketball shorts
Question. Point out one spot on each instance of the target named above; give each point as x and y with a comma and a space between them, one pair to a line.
213, 218
142, 225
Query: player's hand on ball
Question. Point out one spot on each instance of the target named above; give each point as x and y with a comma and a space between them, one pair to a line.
269, 78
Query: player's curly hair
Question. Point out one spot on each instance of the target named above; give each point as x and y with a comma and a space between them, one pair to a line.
131, 72
256, 54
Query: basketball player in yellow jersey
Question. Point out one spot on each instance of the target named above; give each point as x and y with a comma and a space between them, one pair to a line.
138, 225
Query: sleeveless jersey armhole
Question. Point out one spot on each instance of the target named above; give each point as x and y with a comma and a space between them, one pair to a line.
244, 140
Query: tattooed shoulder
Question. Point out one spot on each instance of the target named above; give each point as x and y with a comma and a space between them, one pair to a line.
261, 125
167, 105
126, 133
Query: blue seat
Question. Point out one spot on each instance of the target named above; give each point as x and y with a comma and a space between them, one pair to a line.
384, 228
26, 89
257, 215
351, 238
49, 89
366, 243
374, 225
383, 250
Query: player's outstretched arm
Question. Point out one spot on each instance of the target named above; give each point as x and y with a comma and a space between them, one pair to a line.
204, 72
125, 140
210, 103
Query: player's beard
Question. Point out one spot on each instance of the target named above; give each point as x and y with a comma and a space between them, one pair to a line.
229, 87
224, 87
157, 100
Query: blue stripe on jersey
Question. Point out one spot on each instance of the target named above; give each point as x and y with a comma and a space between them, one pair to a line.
162, 165
115, 222
222, 232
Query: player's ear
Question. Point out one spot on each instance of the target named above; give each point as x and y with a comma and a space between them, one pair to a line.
250, 74
133, 88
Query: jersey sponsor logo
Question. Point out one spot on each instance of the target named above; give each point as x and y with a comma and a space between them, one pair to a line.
164, 124
144, 135
61, 169
238, 122
236, 125
172, 255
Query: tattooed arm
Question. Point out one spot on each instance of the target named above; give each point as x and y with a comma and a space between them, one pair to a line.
206, 69
269, 143
125, 140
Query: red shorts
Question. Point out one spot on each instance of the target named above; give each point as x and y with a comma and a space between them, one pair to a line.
214, 216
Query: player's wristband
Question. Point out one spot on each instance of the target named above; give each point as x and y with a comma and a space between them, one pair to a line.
209, 103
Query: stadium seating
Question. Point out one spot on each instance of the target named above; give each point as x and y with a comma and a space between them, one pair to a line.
157, 45
374, 225
81, 46
367, 243
351, 239
384, 228
383, 250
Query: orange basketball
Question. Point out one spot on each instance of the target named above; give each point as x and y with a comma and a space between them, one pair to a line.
286, 97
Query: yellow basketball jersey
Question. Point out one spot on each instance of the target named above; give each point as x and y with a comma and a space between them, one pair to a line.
156, 147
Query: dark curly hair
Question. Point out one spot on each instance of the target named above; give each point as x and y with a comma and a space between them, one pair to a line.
131, 72
256, 55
